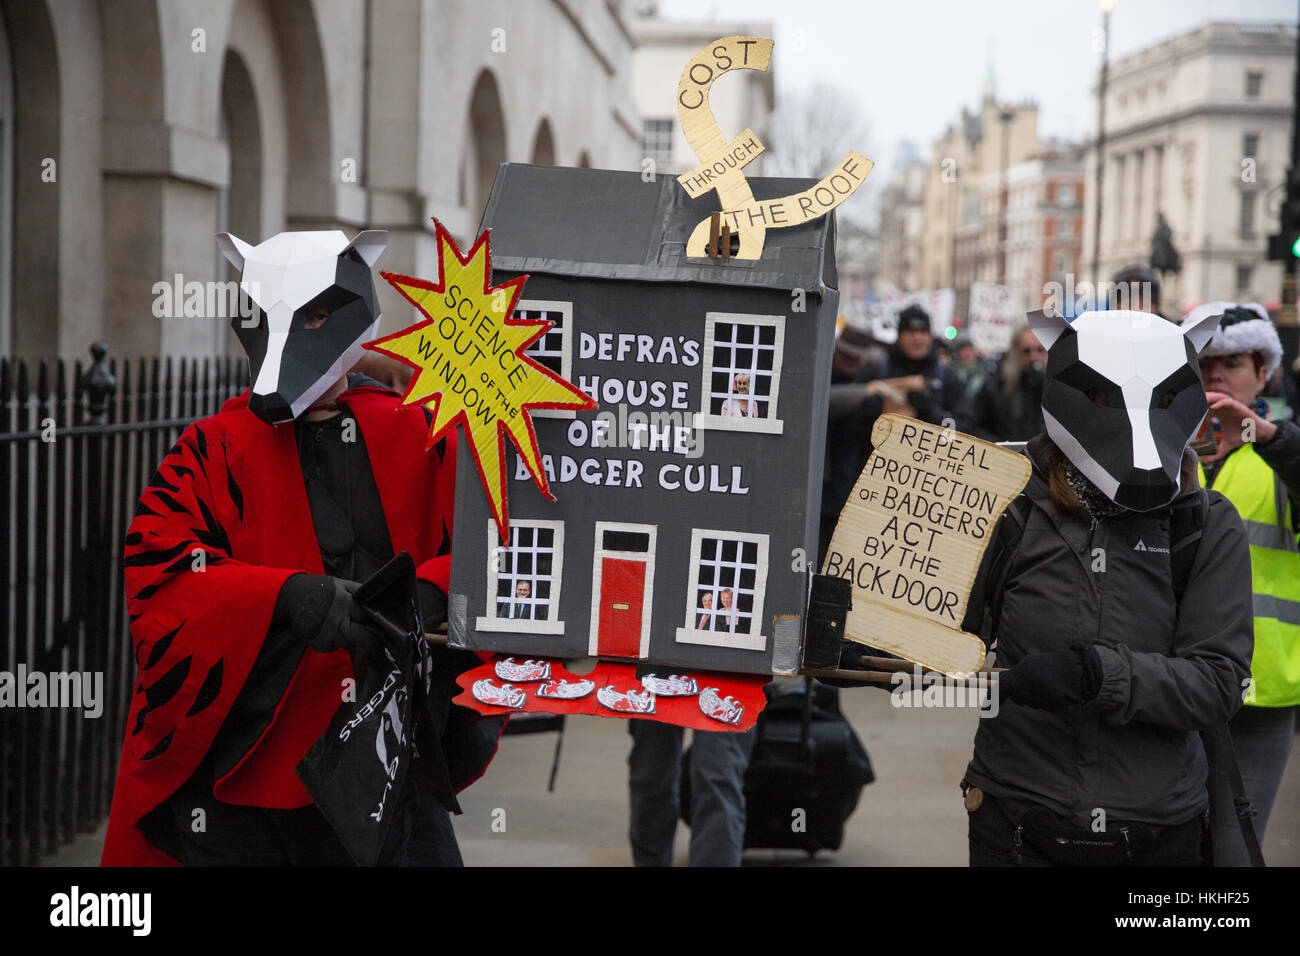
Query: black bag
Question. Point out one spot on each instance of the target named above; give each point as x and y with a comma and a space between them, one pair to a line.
357, 771
806, 758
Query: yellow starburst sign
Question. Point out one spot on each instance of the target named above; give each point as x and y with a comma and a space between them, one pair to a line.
470, 366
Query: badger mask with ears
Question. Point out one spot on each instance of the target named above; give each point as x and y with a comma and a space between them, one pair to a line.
290, 277
1123, 397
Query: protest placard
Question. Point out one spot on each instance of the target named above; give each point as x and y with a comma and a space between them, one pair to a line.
912, 536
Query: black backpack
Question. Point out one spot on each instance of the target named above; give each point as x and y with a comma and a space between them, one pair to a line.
1186, 525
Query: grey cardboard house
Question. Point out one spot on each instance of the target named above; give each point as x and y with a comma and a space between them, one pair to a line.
687, 502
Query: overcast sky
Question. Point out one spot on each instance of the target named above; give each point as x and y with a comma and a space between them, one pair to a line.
917, 62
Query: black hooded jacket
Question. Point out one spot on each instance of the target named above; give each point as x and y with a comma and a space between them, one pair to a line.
1168, 668
848, 439
1010, 415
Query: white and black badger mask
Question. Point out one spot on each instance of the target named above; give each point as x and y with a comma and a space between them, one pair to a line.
289, 278
1123, 397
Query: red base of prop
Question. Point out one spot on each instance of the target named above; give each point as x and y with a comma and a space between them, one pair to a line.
745, 690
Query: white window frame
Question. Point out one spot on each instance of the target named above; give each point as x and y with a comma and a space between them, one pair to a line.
705, 419
566, 347
658, 147
751, 640
550, 625
648, 556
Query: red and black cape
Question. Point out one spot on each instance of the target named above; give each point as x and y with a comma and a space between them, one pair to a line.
232, 488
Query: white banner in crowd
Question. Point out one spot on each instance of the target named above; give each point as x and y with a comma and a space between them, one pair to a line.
883, 315
993, 314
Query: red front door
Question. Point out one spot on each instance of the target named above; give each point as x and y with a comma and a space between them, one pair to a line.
622, 592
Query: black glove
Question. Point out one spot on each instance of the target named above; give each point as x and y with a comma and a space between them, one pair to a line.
322, 613
1053, 680
926, 407
433, 604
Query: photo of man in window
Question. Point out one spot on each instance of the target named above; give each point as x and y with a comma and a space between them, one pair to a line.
726, 615
521, 608
705, 621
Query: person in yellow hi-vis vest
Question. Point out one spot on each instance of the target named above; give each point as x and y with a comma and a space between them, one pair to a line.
1256, 466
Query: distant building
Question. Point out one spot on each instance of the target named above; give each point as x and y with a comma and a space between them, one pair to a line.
857, 259
1198, 129
742, 100
902, 228
1044, 224
955, 249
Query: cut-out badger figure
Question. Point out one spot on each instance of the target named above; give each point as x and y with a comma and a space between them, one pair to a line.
290, 278
1123, 397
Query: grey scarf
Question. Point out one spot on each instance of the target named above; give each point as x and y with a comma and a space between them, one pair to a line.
1096, 503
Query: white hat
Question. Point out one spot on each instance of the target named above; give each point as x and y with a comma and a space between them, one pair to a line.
1245, 327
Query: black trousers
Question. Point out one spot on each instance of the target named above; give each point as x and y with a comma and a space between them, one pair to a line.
196, 828
992, 837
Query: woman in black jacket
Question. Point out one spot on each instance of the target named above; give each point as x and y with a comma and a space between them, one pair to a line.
1093, 757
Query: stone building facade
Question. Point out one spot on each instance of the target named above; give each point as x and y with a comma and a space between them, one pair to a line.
902, 227
1198, 129
953, 250
742, 100
131, 131
1043, 226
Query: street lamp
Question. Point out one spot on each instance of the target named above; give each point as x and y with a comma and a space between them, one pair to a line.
1106, 7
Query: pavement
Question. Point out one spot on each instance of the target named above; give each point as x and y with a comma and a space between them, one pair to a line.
911, 816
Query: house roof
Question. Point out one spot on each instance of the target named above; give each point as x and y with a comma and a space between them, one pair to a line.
607, 224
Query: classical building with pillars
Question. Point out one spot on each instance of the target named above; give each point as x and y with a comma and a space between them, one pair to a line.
132, 131
1198, 130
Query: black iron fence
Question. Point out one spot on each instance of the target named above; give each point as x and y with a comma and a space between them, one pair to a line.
76, 447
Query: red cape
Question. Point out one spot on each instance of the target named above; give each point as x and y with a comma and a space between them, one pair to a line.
232, 487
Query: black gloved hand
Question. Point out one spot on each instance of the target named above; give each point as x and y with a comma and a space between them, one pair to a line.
1053, 680
322, 613
433, 604
926, 407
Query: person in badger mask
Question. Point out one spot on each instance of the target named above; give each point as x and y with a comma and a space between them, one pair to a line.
1117, 594
240, 568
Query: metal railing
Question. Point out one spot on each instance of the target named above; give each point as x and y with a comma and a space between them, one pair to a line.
77, 445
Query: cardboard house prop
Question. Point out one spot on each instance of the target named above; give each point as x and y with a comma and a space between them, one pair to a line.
687, 501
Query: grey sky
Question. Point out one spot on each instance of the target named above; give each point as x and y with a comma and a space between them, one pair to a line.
917, 62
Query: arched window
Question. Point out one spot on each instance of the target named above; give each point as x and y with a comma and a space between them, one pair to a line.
487, 127
544, 145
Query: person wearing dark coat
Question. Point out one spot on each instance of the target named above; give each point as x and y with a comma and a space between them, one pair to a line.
1009, 406
912, 382
1119, 639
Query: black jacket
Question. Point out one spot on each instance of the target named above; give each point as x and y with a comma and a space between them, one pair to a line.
848, 437
1010, 416
1167, 670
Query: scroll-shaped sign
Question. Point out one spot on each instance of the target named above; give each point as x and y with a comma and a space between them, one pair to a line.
722, 161
912, 536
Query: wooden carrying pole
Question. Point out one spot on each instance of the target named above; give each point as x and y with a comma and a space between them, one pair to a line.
881, 670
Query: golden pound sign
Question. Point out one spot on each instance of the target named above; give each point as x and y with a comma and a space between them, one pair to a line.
722, 162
